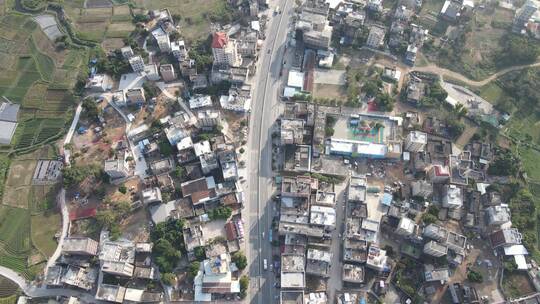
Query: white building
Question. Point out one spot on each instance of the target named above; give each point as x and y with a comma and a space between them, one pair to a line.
498, 215
178, 49
416, 141
200, 101
452, 197
406, 226
376, 258
435, 249
162, 40
151, 195
225, 51
137, 63
117, 168
99, 83
215, 277
127, 52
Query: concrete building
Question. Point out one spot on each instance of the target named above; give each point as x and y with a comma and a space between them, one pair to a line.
137, 64
505, 237
118, 268
135, 96
323, 216
80, 246
435, 249
116, 168
523, 15
421, 188
225, 51
110, 293
318, 262
353, 273
127, 52
208, 118
452, 197
376, 36
292, 271
167, 72
151, 72
162, 40
416, 141
315, 28
292, 131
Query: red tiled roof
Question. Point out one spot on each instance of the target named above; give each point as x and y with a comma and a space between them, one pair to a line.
219, 40
230, 230
82, 213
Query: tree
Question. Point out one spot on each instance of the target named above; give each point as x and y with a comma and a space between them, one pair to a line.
193, 269
166, 255
240, 260
141, 18
371, 88
90, 108
168, 278
505, 164
179, 172
244, 285
220, 212
74, 175
199, 253
510, 265
429, 218
122, 189
474, 276
460, 110
176, 18
174, 36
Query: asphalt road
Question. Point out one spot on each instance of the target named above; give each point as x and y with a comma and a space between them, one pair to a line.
265, 109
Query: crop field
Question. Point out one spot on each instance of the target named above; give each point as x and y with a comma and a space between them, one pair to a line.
38, 130
15, 230
42, 198
100, 23
7, 288
44, 226
36, 75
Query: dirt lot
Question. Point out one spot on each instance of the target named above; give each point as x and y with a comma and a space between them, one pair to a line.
92, 148
163, 107
330, 91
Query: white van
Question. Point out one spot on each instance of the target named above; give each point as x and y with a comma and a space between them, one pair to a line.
265, 264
